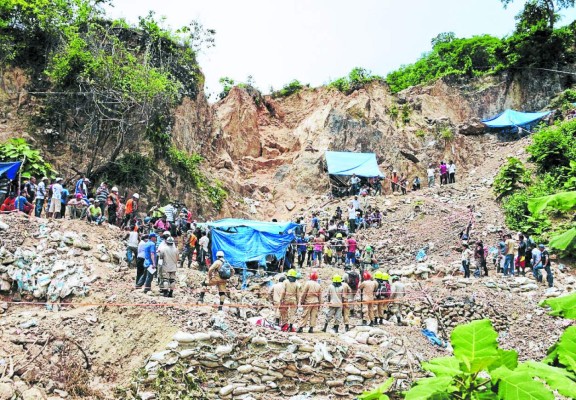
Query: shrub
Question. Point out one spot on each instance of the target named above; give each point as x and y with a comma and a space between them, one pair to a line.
356, 79
553, 147
511, 177
406, 114
289, 89
393, 111
420, 133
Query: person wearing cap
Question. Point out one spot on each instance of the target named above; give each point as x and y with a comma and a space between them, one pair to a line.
140, 271
290, 297
382, 295
168, 261
397, 293
56, 200
274, 295
311, 301
339, 247
367, 291
102, 194
113, 202
213, 279
40, 196
130, 210
150, 261
335, 303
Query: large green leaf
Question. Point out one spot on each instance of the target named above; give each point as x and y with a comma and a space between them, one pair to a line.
507, 358
426, 388
520, 386
564, 240
564, 351
564, 201
563, 306
557, 378
379, 392
443, 366
475, 345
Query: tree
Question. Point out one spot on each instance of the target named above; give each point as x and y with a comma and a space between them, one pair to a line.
444, 37
549, 7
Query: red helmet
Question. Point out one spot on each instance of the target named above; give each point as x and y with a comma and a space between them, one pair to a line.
314, 276
366, 276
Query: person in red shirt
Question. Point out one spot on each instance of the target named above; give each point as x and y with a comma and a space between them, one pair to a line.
395, 179
8, 204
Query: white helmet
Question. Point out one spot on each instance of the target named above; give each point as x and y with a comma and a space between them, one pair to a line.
136, 195
114, 189
219, 253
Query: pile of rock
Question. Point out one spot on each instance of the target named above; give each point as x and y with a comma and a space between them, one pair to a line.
53, 266
275, 365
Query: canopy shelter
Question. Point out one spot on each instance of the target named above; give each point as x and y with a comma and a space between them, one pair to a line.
341, 165
347, 163
8, 172
244, 240
511, 120
9, 169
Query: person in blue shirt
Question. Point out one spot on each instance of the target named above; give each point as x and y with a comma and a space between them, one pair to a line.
64, 200
150, 261
301, 248
21, 204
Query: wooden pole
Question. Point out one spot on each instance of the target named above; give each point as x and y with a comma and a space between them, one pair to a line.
20, 176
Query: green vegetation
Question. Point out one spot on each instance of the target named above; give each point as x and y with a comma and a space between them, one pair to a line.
535, 43
356, 79
17, 149
379, 393
420, 133
480, 369
289, 89
189, 165
174, 383
406, 114
131, 169
393, 111
541, 205
511, 177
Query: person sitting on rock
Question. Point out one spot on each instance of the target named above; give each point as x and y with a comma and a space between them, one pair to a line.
94, 213
8, 204
416, 184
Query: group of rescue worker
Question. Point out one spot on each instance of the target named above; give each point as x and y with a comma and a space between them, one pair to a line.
376, 298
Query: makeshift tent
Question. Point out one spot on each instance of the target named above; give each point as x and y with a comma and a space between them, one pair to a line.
512, 120
244, 240
346, 163
10, 169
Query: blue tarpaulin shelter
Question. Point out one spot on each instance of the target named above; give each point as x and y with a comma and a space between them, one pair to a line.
10, 169
347, 163
244, 240
514, 119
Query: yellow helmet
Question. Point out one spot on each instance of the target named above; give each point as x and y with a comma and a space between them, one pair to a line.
378, 275
292, 273
337, 279
385, 276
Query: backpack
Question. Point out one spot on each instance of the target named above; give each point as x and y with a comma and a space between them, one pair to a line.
225, 270
383, 291
353, 280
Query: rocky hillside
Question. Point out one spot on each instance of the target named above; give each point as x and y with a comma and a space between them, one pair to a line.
270, 151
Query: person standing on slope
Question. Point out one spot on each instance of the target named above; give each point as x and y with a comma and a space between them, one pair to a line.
311, 301
335, 303
275, 295
218, 275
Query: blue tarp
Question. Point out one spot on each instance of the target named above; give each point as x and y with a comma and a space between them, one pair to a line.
10, 169
345, 163
511, 119
244, 240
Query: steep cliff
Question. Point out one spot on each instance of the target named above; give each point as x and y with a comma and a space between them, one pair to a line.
271, 150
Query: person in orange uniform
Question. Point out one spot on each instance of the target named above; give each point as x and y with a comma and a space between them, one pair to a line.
310, 300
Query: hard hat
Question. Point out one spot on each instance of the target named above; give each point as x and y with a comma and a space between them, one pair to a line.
314, 276
339, 236
219, 253
166, 233
298, 275
541, 246
368, 248
385, 276
366, 276
347, 266
136, 195
170, 240
395, 277
152, 235
337, 279
114, 189
292, 273
378, 275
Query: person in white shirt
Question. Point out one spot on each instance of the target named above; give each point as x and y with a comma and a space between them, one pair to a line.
430, 171
355, 182
451, 172
352, 218
56, 200
203, 242
40, 195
